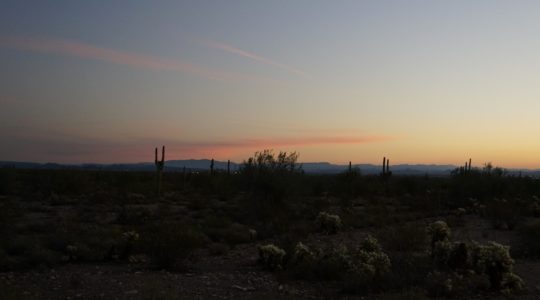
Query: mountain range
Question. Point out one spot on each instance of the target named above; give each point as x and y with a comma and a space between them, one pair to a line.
204, 164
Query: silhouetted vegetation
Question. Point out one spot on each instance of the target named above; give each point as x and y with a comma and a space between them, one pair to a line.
363, 233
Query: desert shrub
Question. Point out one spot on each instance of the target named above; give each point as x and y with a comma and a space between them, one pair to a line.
303, 254
458, 259
368, 264
333, 263
440, 253
303, 261
370, 244
271, 257
439, 284
494, 260
370, 253
438, 232
511, 283
269, 179
328, 223
360, 269
93, 242
469, 260
170, 244
450, 255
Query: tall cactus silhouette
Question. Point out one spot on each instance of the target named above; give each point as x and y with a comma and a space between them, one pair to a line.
212, 167
160, 164
386, 168
467, 168
228, 167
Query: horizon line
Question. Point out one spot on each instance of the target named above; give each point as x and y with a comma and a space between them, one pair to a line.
239, 163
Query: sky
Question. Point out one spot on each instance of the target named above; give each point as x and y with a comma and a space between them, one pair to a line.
416, 81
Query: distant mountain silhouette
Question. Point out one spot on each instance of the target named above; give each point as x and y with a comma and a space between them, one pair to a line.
204, 164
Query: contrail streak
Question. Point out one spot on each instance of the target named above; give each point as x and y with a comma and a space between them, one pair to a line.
84, 50
243, 53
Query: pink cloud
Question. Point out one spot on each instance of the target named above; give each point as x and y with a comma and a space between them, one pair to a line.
58, 147
252, 56
223, 149
83, 50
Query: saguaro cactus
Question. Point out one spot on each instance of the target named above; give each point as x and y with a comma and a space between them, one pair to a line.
350, 167
467, 168
386, 168
159, 168
212, 167
228, 167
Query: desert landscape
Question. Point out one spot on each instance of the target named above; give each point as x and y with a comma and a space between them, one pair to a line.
239, 149
268, 231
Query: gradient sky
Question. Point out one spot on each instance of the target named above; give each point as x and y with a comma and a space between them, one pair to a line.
416, 81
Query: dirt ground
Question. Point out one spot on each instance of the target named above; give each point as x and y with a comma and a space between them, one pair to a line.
234, 275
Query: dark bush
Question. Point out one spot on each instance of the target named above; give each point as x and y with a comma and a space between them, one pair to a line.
170, 244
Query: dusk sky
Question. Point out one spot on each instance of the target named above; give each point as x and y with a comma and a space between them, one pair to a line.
337, 81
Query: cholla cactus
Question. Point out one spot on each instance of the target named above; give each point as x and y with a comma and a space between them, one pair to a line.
439, 284
328, 223
370, 244
130, 236
303, 253
440, 252
439, 232
511, 283
377, 262
451, 255
369, 262
271, 256
494, 260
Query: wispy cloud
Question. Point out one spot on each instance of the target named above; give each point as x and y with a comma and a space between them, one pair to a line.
252, 56
75, 148
88, 51
287, 142
220, 149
